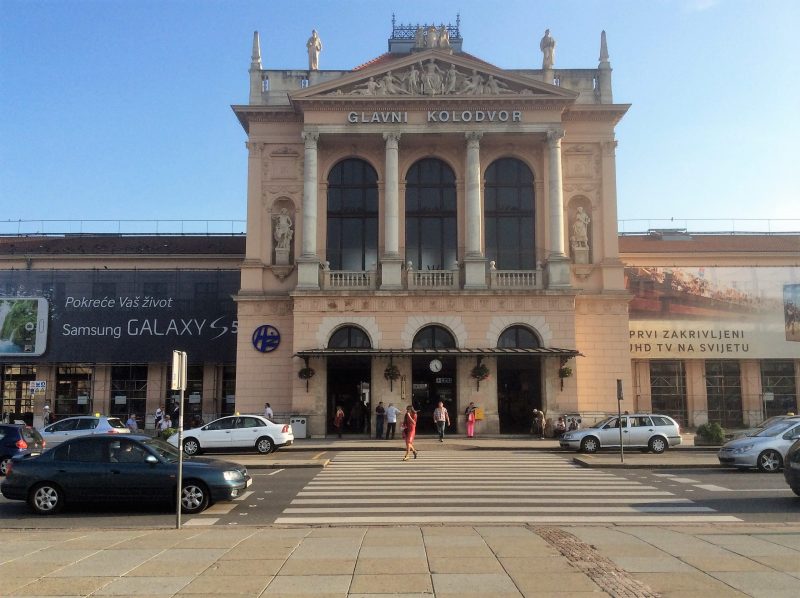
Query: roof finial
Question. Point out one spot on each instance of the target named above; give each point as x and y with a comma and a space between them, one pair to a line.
603, 47
255, 59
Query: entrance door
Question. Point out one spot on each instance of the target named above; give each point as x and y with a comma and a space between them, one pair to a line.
434, 380
519, 392
348, 388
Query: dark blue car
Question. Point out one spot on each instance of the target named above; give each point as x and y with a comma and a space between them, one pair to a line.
18, 439
120, 469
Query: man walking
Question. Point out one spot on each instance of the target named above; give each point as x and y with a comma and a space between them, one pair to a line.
380, 413
268, 411
391, 420
440, 418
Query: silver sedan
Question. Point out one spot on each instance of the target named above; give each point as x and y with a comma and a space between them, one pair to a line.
765, 450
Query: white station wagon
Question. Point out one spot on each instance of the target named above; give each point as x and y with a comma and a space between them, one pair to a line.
236, 432
654, 433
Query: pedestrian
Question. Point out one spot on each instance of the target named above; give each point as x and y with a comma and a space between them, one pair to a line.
537, 428
268, 411
440, 418
380, 414
46, 417
338, 420
166, 424
391, 420
133, 426
176, 412
159, 416
469, 413
561, 427
410, 430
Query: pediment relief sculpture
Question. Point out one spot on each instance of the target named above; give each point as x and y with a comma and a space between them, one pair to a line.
432, 78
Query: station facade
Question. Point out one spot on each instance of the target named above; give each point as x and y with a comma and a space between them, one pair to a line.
425, 227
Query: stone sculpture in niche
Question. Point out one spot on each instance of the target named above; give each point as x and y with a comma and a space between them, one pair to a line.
579, 240
283, 236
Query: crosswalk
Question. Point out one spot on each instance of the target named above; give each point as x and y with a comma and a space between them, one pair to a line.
444, 486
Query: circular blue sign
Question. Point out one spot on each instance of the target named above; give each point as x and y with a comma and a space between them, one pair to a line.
266, 338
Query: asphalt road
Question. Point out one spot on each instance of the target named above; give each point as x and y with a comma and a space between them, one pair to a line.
747, 496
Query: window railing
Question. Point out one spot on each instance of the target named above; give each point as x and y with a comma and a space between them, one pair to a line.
431, 279
349, 280
514, 279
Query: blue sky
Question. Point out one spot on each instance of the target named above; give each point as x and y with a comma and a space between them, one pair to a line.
120, 109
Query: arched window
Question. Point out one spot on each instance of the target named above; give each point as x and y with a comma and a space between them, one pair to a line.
352, 242
509, 215
434, 337
518, 337
349, 337
431, 231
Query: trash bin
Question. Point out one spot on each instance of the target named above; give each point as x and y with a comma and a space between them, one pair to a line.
299, 425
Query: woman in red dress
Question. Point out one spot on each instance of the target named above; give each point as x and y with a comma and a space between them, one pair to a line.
410, 430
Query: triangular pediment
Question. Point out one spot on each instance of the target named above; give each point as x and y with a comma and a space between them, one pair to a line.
432, 74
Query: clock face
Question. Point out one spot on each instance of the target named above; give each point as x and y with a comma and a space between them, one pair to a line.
436, 365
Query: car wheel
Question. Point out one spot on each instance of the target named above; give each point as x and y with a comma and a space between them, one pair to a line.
4, 461
657, 444
264, 445
191, 447
769, 461
46, 498
194, 498
590, 444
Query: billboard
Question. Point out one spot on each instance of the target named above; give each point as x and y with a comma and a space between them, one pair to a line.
714, 312
117, 316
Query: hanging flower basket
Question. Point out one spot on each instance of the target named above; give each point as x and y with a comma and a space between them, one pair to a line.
392, 372
564, 372
479, 372
306, 374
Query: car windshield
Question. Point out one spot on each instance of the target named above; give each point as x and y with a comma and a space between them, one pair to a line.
777, 429
603, 422
116, 423
164, 450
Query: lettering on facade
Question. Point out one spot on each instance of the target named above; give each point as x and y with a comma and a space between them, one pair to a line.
436, 116
648, 341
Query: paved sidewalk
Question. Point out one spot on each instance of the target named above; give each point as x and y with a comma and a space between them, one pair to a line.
635, 561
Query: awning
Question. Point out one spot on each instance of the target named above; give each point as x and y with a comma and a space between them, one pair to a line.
542, 351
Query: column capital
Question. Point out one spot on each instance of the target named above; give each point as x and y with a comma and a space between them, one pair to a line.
554, 137
311, 138
473, 137
254, 148
609, 148
392, 136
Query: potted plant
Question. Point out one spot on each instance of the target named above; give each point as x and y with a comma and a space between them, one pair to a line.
564, 371
711, 434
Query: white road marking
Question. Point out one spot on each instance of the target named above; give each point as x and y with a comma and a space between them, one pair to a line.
505, 508
685, 480
416, 519
220, 508
276, 471
202, 521
244, 495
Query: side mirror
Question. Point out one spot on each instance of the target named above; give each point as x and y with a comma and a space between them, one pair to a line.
151, 459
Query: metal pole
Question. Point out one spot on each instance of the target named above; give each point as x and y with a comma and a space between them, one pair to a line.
619, 420
180, 463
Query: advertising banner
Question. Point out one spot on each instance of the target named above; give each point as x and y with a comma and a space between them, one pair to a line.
714, 312
117, 316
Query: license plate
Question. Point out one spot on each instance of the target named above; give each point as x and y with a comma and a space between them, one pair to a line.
250, 481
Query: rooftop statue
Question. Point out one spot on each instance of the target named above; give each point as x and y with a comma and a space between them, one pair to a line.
314, 45
548, 47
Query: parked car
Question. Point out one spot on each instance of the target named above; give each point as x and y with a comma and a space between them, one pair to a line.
647, 431
765, 450
119, 469
791, 471
18, 439
236, 432
733, 435
82, 425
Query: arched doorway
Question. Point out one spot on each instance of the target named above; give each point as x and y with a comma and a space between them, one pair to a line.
349, 381
519, 381
433, 378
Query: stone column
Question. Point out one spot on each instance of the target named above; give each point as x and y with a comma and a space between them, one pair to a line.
258, 233
391, 262
558, 271
308, 262
474, 262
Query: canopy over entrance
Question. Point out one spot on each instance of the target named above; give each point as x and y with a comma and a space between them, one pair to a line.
544, 351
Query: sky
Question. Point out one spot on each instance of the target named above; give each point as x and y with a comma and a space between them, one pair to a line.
120, 109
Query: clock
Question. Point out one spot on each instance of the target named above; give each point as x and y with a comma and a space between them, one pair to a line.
435, 365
